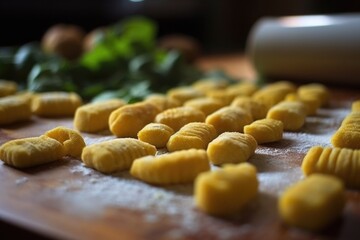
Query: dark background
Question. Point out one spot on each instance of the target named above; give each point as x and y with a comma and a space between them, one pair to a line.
219, 25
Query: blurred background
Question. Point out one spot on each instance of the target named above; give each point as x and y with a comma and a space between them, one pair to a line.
220, 26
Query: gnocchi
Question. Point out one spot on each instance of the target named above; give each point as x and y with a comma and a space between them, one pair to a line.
7, 88
172, 168
258, 110
229, 119
29, 152
94, 117
128, 120
183, 94
313, 203
115, 155
156, 134
348, 135
314, 91
176, 118
162, 101
311, 104
231, 147
265, 130
226, 191
291, 114
14, 109
55, 104
72, 141
355, 106
206, 105
193, 135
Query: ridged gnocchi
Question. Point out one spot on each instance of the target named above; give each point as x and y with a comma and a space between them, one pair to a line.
183, 94
72, 141
206, 105
162, 101
242, 89
193, 135
172, 168
226, 191
94, 117
314, 91
312, 203
229, 119
156, 134
128, 120
341, 162
258, 110
176, 118
7, 88
348, 135
311, 104
291, 114
55, 104
29, 152
115, 155
14, 109
231, 147
265, 130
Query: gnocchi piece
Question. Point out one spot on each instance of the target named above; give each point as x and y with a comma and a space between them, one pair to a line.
172, 168
115, 155
226, 191
229, 119
94, 117
29, 152
265, 130
206, 85
291, 114
7, 88
193, 135
55, 104
72, 141
183, 94
162, 101
231, 147
176, 118
274, 93
348, 135
156, 134
355, 106
341, 162
224, 96
312, 203
128, 120
311, 104
14, 109
315, 91
258, 110
206, 105
242, 89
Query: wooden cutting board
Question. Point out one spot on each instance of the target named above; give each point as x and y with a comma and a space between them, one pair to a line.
66, 200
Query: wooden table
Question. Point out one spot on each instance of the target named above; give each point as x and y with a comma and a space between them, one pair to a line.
66, 200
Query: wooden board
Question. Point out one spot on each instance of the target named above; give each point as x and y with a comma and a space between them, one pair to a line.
66, 200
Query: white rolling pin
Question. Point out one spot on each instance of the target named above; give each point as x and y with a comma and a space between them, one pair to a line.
323, 48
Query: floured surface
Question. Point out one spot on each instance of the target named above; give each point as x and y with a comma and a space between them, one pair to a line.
64, 198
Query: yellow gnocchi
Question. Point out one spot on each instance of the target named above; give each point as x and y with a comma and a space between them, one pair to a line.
14, 109
94, 117
7, 88
242, 89
72, 141
156, 134
206, 85
291, 114
231, 147
172, 168
206, 105
193, 135
265, 130
128, 120
226, 191
176, 118
229, 119
311, 104
29, 152
348, 135
162, 101
115, 155
183, 94
341, 162
355, 106
313, 203
258, 110
314, 91
55, 104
